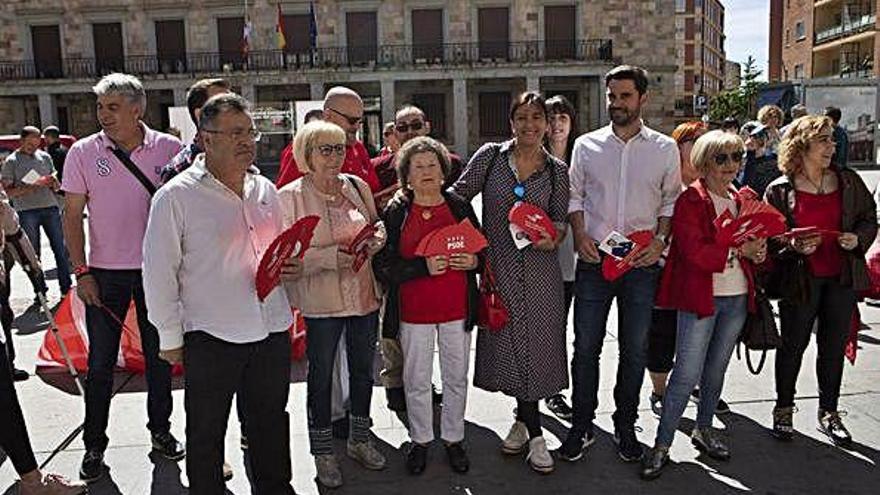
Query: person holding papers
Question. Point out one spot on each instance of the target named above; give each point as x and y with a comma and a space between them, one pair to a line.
821, 271
208, 229
429, 297
717, 277
337, 292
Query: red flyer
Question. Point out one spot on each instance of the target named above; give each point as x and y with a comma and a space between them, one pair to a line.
358, 246
532, 220
462, 237
293, 242
613, 268
756, 219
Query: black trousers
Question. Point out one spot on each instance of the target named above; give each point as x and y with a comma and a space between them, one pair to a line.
661, 340
117, 289
6, 314
215, 371
13, 431
833, 305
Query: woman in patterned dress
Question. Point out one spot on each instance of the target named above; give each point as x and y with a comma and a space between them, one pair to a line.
527, 358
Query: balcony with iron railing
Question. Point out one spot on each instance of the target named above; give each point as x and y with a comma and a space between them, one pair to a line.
846, 28
383, 57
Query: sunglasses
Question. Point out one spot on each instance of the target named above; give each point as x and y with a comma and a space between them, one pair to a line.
329, 149
351, 120
415, 125
722, 158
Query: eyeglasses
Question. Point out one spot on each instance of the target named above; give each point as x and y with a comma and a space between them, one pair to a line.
415, 125
329, 149
238, 134
351, 120
722, 158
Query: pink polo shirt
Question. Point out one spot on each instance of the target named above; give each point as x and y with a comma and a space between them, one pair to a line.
118, 205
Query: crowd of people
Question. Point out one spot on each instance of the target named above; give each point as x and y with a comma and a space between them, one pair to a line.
180, 229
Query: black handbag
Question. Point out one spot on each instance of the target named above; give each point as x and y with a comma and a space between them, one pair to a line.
760, 332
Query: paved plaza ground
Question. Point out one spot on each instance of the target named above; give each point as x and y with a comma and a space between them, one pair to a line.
760, 464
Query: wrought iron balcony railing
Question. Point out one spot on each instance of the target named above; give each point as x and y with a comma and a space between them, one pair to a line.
846, 28
383, 57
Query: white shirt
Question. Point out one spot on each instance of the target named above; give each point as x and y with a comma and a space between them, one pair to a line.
623, 186
202, 247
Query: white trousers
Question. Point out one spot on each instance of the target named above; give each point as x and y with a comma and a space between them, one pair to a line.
417, 342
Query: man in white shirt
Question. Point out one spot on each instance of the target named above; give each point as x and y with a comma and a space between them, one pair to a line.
625, 178
208, 229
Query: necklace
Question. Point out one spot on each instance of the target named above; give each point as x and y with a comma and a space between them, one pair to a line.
820, 187
427, 213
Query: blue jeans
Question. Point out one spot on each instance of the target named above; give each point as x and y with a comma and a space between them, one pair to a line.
702, 352
50, 219
593, 296
322, 335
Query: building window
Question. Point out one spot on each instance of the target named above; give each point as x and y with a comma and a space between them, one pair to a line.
46, 41
296, 33
494, 107
427, 34
689, 55
680, 5
799, 31
799, 71
109, 53
171, 46
493, 30
434, 106
559, 32
689, 28
362, 35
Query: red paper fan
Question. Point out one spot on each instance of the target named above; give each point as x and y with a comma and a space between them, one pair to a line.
613, 268
462, 237
532, 220
755, 220
293, 242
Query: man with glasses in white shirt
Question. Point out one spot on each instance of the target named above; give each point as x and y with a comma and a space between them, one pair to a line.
208, 229
625, 178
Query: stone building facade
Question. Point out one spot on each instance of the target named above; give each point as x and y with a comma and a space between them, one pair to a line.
464, 59
702, 69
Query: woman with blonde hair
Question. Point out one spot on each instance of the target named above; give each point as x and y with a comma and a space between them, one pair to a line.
771, 117
718, 281
335, 296
819, 274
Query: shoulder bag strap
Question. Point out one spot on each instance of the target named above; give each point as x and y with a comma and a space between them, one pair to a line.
135, 171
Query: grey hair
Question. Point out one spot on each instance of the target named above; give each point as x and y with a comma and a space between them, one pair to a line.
422, 144
124, 85
222, 103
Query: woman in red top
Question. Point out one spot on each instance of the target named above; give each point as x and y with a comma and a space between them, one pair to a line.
710, 284
819, 274
428, 298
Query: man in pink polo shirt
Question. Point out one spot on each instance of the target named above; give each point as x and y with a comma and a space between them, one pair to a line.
96, 176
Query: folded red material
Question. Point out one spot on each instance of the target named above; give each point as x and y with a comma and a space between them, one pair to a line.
293, 242
614, 268
532, 220
462, 237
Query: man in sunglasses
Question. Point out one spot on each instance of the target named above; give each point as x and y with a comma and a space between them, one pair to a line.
409, 122
343, 107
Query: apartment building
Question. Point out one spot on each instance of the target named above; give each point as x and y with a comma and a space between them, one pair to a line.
700, 43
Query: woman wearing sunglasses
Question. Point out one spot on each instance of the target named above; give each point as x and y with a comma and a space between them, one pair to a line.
526, 359
335, 295
718, 280
823, 271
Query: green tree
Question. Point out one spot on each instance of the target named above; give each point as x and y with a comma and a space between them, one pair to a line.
738, 102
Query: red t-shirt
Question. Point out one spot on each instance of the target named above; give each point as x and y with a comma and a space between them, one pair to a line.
357, 162
823, 211
431, 299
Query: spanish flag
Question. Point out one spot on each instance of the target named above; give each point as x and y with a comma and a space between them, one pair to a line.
280, 39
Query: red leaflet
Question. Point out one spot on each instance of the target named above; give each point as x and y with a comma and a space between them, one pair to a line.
293, 242
462, 237
756, 220
613, 268
358, 246
531, 219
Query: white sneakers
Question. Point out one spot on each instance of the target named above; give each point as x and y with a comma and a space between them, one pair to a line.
517, 439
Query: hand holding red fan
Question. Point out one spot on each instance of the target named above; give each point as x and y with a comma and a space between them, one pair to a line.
532, 220
293, 242
462, 237
756, 219
358, 246
613, 268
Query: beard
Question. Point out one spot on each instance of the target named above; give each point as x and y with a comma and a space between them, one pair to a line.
622, 116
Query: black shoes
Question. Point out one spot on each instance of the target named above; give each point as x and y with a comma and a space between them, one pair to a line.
831, 425
628, 447
710, 441
396, 399
557, 405
458, 459
575, 445
783, 425
416, 458
20, 375
166, 445
654, 462
722, 407
92, 467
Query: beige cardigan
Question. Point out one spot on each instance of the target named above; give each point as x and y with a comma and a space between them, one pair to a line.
318, 291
